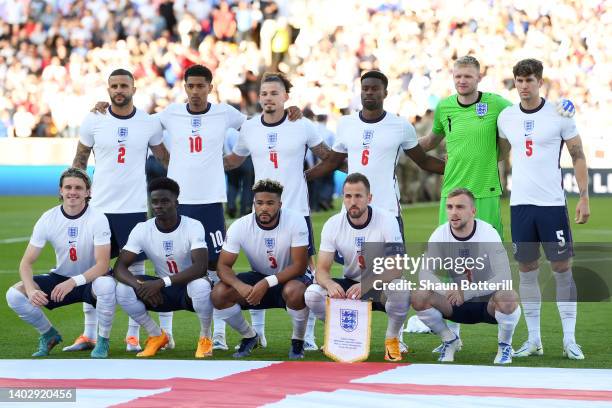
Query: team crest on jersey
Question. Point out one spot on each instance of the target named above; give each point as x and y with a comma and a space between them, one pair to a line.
122, 134
272, 139
270, 243
482, 109
196, 122
359, 241
529, 125
168, 247
368, 135
348, 319
73, 232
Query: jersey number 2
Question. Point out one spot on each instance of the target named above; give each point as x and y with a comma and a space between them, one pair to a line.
121, 156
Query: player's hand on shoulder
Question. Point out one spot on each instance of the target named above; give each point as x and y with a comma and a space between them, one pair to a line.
583, 212
566, 108
354, 292
294, 113
100, 107
60, 291
258, 292
37, 297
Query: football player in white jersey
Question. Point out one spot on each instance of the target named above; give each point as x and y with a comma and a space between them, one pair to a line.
347, 233
278, 147
176, 245
480, 262
538, 210
80, 237
372, 140
275, 242
120, 142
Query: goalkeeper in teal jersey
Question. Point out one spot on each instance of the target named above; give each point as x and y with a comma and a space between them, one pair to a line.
468, 121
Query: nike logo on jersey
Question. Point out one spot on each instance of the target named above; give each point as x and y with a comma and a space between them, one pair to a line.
194, 131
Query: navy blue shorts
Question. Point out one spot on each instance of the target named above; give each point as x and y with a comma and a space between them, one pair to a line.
212, 218
175, 297
346, 283
472, 312
274, 296
121, 225
311, 243
78, 294
532, 225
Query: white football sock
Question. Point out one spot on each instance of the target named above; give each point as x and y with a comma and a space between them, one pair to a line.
219, 324
26, 311
91, 320
531, 299
566, 304
433, 319
233, 316
455, 327
199, 292
137, 268
315, 297
165, 322
310, 327
506, 323
258, 321
397, 306
104, 290
299, 318
126, 297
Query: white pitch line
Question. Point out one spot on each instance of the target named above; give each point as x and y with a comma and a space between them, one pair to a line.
13, 240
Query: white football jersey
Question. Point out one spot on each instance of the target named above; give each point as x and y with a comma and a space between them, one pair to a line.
196, 143
483, 246
373, 149
537, 138
73, 238
278, 152
120, 146
339, 234
268, 251
170, 251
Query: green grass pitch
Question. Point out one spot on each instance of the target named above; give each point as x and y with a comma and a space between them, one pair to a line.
18, 340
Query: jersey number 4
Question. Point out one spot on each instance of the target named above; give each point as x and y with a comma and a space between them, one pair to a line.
274, 159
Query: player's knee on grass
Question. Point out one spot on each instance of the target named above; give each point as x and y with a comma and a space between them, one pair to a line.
420, 299
560, 266
198, 288
315, 297
104, 286
293, 293
505, 301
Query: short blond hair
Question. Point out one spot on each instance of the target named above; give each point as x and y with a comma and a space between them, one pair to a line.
467, 60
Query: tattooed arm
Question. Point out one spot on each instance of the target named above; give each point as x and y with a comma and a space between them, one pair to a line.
574, 146
321, 150
82, 156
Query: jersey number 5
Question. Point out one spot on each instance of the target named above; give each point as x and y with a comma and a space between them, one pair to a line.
528, 147
121, 156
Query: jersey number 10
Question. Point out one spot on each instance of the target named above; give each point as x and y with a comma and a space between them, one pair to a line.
195, 144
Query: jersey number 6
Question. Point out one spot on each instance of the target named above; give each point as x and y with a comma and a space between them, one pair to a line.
365, 157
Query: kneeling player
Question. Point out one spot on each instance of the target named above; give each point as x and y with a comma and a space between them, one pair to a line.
80, 236
177, 247
276, 245
347, 233
470, 243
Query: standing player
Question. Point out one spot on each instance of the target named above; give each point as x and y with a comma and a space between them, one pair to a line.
372, 139
347, 233
538, 209
469, 242
276, 243
119, 142
177, 247
277, 148
80, 237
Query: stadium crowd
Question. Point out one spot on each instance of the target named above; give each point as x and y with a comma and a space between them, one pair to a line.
55, 56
